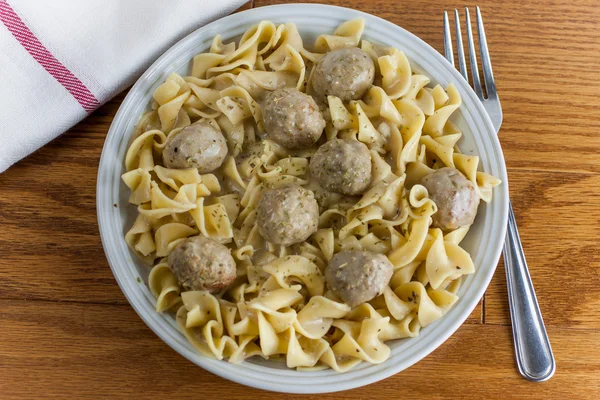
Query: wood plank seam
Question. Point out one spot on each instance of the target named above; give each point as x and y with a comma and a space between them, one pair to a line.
559, 171
483, 309
100, 303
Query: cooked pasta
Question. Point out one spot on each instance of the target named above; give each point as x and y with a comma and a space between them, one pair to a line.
333, 154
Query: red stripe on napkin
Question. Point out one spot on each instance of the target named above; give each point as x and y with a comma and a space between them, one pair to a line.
40, 53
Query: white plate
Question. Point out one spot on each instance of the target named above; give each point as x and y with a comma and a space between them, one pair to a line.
484, 241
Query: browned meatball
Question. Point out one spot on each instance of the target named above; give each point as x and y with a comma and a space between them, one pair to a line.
287, 214
342, 166
200, 145
200, 263
454, 196
292, 118
345, 73
358, 276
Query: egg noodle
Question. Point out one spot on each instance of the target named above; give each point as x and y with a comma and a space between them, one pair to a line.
283, 308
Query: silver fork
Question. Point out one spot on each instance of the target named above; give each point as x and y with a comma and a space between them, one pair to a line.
532, 346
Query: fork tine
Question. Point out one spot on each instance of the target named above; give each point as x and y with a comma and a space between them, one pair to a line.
459, 46
448, 40
486, 63
473, 57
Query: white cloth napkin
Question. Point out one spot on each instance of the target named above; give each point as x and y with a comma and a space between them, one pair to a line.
62, 59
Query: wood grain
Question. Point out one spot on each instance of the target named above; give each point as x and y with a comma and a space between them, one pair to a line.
89, 351
558, 217
66, 330
49, 238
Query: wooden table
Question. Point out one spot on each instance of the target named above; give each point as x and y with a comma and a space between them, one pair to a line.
66, 330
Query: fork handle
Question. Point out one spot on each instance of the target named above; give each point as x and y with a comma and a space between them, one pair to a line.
532, 346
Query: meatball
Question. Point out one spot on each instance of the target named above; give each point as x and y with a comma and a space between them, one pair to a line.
358, 276
200, 263
200, 145
287, 214
342, 166
292, 118
345, 73
454, 196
